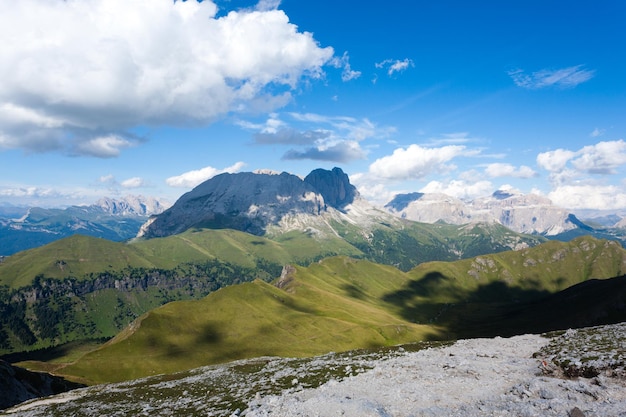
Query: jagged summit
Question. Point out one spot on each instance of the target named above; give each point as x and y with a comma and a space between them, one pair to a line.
334, 186
251, 202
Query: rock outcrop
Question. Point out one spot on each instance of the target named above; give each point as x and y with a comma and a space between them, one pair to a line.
18, 385
251, 202
334, 186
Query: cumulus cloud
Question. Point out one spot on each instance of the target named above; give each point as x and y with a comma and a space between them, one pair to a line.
556, 160
459, 188
134, 182
589, 196
107, 146
568, 77
376, 193
395, 65
416, 162
601, 158
500, 169
192, 178
76, 75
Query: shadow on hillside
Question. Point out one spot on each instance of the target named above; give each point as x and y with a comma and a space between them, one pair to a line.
209, 335
498, 309
55, 352
353, 291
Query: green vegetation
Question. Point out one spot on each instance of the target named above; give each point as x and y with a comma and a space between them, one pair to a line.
335, 305
85, 288
509, 292
341, 303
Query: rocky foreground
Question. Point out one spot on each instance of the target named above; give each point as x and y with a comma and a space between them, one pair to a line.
577, 373
520, 376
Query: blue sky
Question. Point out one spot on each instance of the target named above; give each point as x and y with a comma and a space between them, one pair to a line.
114, 97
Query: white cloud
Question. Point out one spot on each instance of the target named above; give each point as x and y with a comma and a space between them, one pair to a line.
376, 193
564, 78
84, 70
107, 179
104, 146
45, 196
601, 158
500, 169
416, 162
556, 160
589, 196
134, 182
395, 65
459, 188
192, 178
344, 62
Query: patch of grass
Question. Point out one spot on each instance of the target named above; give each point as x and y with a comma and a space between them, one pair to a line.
314, 314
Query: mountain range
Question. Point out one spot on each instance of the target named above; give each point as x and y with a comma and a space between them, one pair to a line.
24, 228
524, 213
254, 264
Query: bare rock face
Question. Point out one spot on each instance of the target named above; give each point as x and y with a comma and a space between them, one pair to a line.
523, 213
131, 206
251, 202
334, 186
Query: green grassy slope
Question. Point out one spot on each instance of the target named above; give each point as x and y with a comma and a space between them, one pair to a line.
471, 297
341, 303
78, 256
74, 256
332, 306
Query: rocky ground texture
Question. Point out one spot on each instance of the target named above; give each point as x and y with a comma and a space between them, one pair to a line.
574, 373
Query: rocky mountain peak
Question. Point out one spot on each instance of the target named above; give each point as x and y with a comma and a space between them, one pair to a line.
250, 202
131, 205
334, 186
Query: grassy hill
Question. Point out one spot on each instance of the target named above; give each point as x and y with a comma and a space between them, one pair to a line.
341, 303
336, 305
482, 296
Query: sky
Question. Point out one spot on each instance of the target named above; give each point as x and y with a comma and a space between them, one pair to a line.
152, 97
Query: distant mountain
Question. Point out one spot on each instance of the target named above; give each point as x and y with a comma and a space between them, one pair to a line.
132, 205
523, 213
118, 220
